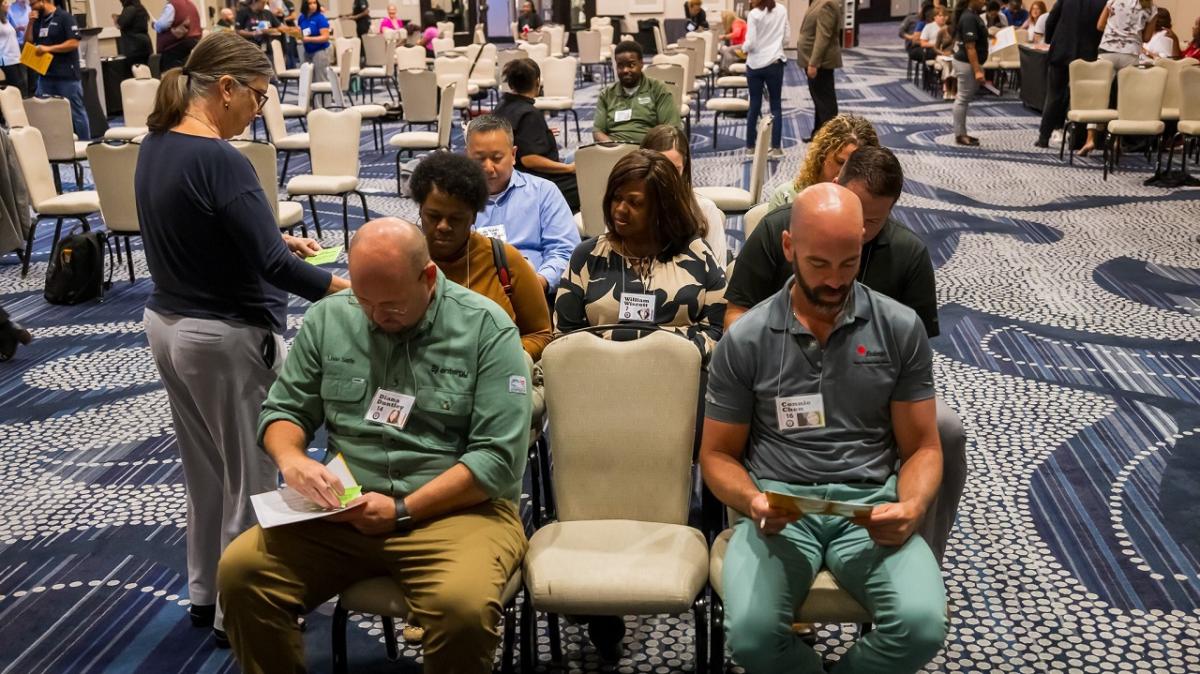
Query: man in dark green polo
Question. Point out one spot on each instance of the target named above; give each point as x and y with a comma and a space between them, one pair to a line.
633, 104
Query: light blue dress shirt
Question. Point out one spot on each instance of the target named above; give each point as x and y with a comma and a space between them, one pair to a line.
536, 221
18, 17
165, 19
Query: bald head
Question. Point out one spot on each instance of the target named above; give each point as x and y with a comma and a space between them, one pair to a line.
827, 212
823, 244
393, 275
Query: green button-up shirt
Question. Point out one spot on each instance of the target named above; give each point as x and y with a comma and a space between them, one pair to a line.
464, 364
650, 105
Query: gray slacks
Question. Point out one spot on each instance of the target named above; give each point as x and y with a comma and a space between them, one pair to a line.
217, 374
967, 88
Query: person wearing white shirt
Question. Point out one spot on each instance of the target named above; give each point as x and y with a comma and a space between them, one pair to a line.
10, 51
766, 30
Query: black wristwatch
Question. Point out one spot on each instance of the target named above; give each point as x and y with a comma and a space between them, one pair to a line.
404, 521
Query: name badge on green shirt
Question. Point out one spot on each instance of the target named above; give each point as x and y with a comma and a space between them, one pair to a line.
390, 408
797, 412
622, 115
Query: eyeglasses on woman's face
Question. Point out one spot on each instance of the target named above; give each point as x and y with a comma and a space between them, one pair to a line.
260, 97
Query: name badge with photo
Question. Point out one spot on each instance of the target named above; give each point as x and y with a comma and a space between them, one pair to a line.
494, 232
390, 408
623, 115
636, 307
793, 413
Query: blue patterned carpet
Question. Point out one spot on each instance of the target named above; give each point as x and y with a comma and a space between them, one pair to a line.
1070, 312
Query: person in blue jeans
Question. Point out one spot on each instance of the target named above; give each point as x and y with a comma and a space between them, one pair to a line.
766, 30
53, 30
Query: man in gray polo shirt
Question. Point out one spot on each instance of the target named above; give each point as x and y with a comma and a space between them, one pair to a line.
825, 390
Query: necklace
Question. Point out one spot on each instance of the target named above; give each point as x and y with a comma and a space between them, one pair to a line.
210, 127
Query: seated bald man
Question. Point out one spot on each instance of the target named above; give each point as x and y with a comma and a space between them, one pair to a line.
422, 387
825, 390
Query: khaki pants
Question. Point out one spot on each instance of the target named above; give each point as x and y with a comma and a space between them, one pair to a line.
451, 571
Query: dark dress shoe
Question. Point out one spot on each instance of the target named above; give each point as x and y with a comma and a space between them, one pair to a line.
1044, 144
607, 634
202, 615
220, 639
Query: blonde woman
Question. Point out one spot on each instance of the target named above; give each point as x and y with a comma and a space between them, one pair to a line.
733, 37
828, 151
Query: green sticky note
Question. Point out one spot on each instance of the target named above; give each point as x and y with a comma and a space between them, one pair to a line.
326, 256
350, 494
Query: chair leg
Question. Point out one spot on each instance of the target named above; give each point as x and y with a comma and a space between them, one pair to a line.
547, 479
362, 198
510, 636
556, 652
1171, 151
398, 172
29, 246
338, 630
700, 617
389, 638
346, 220
716, 116
312, 206
528, 633
716, 646
287, 158
1063, 144
1107, 152
78, 176
57, 178
535, 485
129, 257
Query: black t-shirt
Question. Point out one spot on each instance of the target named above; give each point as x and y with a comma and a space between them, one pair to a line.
210, 237
971, 29
249, 19
895, 263
52, 29
362, 24
530, 131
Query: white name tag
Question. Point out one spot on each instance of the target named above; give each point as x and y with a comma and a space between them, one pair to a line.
390, 408
45, 32
794, 413
494, 232
636, 307
622, 115
307, 32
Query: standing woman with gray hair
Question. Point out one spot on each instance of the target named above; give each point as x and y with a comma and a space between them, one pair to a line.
222, 274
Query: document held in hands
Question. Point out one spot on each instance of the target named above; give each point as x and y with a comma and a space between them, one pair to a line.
326, 256
39, 64
804, 505
288, 506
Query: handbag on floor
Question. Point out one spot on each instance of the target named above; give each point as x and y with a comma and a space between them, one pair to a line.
76, 271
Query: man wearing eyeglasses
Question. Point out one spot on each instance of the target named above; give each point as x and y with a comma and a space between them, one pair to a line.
423, 388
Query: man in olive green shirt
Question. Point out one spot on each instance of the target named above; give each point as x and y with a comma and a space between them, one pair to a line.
423, 388
633, 104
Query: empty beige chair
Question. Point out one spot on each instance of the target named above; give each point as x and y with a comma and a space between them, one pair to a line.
287, 143
333, 147
456, 69
591, 55
284, 74
409, 58
536, 51
606, 40
621, 483
52, 116
340, 79
112, 171
1171, 96
1189, 115
137, 102
671, 72
731, 106
557, 39
141, 71
35, 169
384, 597
593, 164
12, 108
288, 214
1090, 83
479, 37
683, 60
558, 87
379, 60
735, 200
446, 30
826, 602
411, 141
1139, 110
301, 109
442, 46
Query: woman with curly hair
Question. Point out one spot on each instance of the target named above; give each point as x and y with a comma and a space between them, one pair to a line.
828, 151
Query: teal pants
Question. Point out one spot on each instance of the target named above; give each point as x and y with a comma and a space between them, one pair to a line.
766, 578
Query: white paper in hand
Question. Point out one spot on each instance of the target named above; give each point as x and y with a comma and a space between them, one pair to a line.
288, 506
818, 506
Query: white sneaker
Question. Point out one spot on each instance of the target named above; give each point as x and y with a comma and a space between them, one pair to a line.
775, 154
1056, 138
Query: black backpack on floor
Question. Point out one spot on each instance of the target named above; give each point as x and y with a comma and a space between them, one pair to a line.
76, 271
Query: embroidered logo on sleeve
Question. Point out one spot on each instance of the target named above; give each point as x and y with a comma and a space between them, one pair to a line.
516, 385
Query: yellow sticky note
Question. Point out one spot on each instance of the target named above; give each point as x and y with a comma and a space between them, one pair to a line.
350, 494
30, 58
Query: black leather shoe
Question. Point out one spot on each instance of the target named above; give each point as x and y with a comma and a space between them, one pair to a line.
202, 615
220, 639
607, 634
1044, 144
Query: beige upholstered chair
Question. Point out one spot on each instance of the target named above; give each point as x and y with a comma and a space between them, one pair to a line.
558, 87
410, 58
732, 106
442, 45
446, 30
137, 102
456, 69
141, 71
303, 104
622, 449
536, 51
411, 141
284, 74
333, 147
35, 169
339, 78
734, 200
590, 53
284, 142
593, 164
12, 108
378, 58
112, 171
1189, 114
1090, 83
1139, 110
1171, 96
672, 72
752, 218
52, 116
288, 214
